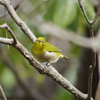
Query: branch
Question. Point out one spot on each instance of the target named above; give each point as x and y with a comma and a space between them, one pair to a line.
6, 41
83, 10
18, 21
91, 68
49, 28
85, 15
10, 31
15, 6
49, 71
97, 15
90, 77
3, 94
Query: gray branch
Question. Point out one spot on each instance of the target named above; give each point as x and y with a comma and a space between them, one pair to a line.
18, 21
49, 71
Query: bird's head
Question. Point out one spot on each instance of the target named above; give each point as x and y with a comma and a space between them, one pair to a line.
41, 39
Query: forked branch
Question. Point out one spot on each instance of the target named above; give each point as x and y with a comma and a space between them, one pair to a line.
49, 71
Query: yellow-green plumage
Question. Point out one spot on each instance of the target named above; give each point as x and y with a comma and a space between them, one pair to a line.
46, 52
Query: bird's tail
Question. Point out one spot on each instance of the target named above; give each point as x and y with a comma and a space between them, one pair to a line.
66, 57
63, 56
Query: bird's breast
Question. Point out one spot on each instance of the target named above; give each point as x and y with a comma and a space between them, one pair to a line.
52, 57
47, 56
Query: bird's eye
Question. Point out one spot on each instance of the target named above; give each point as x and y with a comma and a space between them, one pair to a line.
43, 43
36, 40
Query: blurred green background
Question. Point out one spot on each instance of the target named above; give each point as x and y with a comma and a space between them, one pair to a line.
21, 81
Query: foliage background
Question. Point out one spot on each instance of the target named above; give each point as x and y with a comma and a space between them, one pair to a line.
63, 13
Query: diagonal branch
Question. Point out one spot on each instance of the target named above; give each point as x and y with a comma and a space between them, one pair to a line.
3, 94
49, 71
10, 31
97, 15
83, 10
70, 36
91, 68
85, 15
18, 21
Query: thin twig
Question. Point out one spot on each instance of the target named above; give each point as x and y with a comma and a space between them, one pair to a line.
90, 77
6, 41
3, 94
63, 34
17, 19
14, 6
49, 71
83, 10
97, 15
10, 31
91, 68
85, 15
94, 50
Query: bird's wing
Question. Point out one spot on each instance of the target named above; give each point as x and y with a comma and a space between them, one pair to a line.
49, 47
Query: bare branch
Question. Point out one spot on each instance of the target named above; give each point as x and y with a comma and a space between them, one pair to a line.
10, 31
3, 94
18, 21
90, 77
15, 4
97, 15
6, 41
85, 15
93, 50
70, 36
83, 10
49, 71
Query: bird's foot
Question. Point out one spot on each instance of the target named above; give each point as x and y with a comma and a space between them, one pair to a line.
46, 64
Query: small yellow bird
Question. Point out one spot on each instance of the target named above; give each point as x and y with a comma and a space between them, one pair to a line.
46, 52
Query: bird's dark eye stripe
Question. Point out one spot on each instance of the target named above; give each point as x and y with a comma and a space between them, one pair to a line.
40, 41
53, 51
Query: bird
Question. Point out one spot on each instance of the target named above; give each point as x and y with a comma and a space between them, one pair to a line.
46, 52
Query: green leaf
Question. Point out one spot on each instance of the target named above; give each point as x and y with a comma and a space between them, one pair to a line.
65, 12
8, 79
